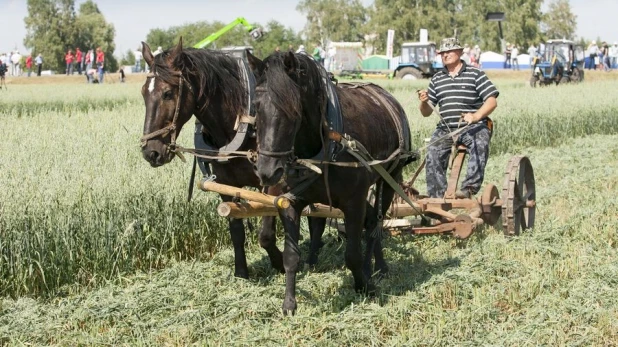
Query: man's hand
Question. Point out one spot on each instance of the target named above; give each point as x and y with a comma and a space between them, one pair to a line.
425, 108
422, 96
470, 118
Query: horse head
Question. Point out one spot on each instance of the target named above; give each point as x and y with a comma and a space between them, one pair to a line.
169, 101
286, 100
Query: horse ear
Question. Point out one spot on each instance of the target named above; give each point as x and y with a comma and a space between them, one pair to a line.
290, 63
147, 53
176, 52
256, 65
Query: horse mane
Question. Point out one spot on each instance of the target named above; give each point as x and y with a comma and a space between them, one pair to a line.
284, 87
209, 72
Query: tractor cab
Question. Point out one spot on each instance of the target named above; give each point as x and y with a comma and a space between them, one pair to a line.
418, 60
562, 61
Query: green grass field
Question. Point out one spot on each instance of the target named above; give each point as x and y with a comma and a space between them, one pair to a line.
97, 247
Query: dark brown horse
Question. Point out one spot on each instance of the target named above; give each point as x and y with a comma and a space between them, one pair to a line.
208, 84
292, 122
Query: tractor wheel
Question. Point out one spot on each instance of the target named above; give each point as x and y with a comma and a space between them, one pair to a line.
577, 75
534, 80
409, 73
564, 80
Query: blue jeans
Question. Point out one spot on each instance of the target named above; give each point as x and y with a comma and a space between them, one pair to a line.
476, 139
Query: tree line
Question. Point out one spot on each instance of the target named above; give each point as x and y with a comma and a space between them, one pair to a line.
53, 26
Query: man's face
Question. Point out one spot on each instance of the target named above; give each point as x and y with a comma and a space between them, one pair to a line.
451, 57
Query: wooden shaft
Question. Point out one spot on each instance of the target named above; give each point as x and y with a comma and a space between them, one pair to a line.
275, 201
257, 209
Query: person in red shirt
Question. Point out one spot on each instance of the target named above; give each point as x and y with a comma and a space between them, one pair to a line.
78, 60
100, 60
68, 58
29, 64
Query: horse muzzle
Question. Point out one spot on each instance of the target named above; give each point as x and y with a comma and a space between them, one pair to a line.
269, 170
156, 153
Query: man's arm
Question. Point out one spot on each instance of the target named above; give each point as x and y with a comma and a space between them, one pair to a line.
425, 108
488, 107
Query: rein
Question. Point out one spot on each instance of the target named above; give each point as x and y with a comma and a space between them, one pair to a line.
172, 127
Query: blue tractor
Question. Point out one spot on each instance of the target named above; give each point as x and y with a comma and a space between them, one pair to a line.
561, 62
418, 60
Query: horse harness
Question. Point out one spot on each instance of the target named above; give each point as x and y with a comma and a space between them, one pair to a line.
171, 128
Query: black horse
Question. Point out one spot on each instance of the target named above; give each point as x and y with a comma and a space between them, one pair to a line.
291, 103
208, 84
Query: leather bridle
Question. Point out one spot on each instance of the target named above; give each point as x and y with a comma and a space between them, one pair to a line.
172, 127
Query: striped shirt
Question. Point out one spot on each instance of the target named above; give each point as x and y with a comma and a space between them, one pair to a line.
464, 93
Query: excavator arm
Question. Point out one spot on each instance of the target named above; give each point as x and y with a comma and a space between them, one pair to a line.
255, 33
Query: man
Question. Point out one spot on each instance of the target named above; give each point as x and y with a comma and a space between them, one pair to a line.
3, 70
507, 55
39, 64
318, 53
16, 60
461, 91
79, 60
29, 64
532, 52
514, 54
100, 61
69, 58
138, 59
614, 55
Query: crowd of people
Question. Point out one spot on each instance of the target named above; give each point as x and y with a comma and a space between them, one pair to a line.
13, 64
91, 64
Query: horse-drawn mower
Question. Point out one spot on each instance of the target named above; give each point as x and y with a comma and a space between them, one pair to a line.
458, 217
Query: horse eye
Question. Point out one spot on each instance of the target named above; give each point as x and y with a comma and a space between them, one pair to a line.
167, 95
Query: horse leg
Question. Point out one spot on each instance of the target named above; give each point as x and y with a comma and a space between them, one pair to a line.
354, 214
316, 230
291, 254
268, 241
237, 233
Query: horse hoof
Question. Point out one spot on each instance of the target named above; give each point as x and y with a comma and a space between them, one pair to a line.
289, 308
369, 289
242, 274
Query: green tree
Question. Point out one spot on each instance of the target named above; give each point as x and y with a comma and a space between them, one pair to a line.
128, 58
52, 28
93, 31
442, 17
275, 35
47, 31
333, 20
559, 22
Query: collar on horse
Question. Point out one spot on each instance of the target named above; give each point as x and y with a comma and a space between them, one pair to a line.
243, 126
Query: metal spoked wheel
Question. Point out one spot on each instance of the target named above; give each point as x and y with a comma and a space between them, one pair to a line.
518, 196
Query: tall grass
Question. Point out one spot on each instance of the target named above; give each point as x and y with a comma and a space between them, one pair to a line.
80, 207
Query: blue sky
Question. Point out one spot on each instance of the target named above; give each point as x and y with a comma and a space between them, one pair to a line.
133, 19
